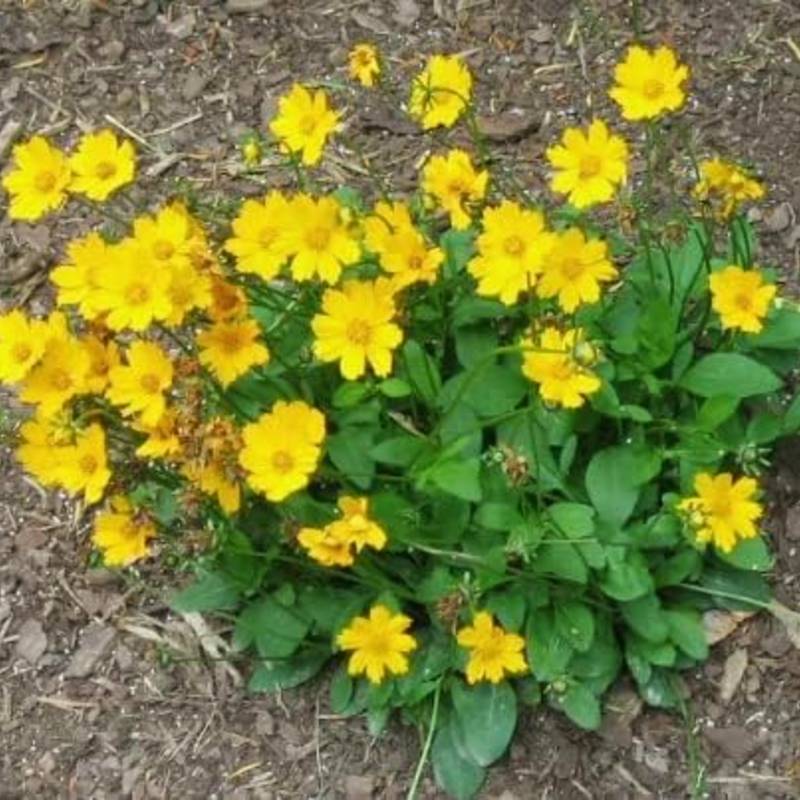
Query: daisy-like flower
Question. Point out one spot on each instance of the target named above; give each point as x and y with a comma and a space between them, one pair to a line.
326, 546
387, 221
409, 260
139, 386
727, 185
282, 449
304, 122
101, 165
85, 466
493, 653
356, 328
103, 356
162, 438
724, 511
364, 65
230, 348
228, 301
60, 375
38, 181
648, 83
454, 184
216, 478
574, 269
21, 345
166, 238
356, 527
258, 240
741, 298
120, 536
78, 280
511, 251
189, 289
556, 362
441, 92
589, 167
380, 644
319, 239
44, 440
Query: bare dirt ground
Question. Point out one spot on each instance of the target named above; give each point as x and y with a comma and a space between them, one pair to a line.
105, 694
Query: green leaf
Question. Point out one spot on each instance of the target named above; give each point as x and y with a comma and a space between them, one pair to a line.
486, 714
686, 630
349, 450
549, 651
210, 592
273, 676
627, 580
342, 687
645, 617
350, 394
562, 559
729, 374
460, 478
458, 248
458, 775
614, 477
781, 331
750, 554
575, 622
275, 630
495, 390
677, 568
394, 387
422, 372
574, 520
716, 410
399, 451
764, 428
730, 584
474, 344
509, 606
581, 706
498, 516
471, 309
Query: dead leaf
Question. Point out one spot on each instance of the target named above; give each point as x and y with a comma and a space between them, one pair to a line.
732, 674
790, 620
719, 624
371, 23
32, 641
95, 641
407, 13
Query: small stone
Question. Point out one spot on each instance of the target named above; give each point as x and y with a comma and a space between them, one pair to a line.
125, 97
656, 761
734, 742
193, 85
265, 723
182, 27
47, 763
246, 6
32, 641
779, 218
358, 787
112, 51
732, 674
95, 642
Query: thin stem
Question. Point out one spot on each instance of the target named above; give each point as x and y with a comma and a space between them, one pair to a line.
423, 758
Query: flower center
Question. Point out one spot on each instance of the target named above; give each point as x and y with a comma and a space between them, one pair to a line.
282, 462
150, 383
137, 294
230, 341
415, 262
318, 237
359, 332
61, 381
514, 246
744, 302
105, 170
563, 370
45, 181
571, 268
88, 464
267, 236
457, 187
653, 88
21, 352
163, 250
307, 124
590, 166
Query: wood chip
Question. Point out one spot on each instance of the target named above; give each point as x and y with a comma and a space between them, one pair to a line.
732, 674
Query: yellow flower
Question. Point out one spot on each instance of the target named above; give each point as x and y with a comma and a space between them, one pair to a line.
229, 349
589, 166
364, 65
454, 183
78, 281
188, 289
493, 653
120, 535
227, 299
379, 644
166, 238
410, 260
304, 122
723, 511
574, 269
102, 358
511, 251
214, 478
326, 547
162, 439
728, 184
44, 441
60, 375
741, 298
39, 181
441, 92
387, 221
21, 345
319, 239
356, 328
101, 164
139, 386
85, 467
556, 365
252, 152
355, 526
258, 240
649, 83
135, 292
282, 449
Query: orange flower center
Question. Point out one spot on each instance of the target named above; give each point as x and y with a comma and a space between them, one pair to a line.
415, 262
744, 302
457, 187
282, 462
231, 341
150, 383
267, 236
163, 250
21, 352
88, 464
590, 166
137, 294
571, 268
308, 124
652, 88
514, 246
45, 181
563, 370
61, 380
318, 237
105, 170
359, 332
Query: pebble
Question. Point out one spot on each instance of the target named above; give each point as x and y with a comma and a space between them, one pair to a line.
32, 641
194, 85
246, 6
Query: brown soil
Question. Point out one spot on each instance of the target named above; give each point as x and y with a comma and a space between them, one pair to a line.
104, 693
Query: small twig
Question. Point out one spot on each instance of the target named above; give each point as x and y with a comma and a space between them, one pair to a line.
128, 132
182, 123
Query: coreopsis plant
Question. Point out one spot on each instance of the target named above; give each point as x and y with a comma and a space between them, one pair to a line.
472, 450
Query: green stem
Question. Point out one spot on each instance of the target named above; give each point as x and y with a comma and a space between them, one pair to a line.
423, 758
